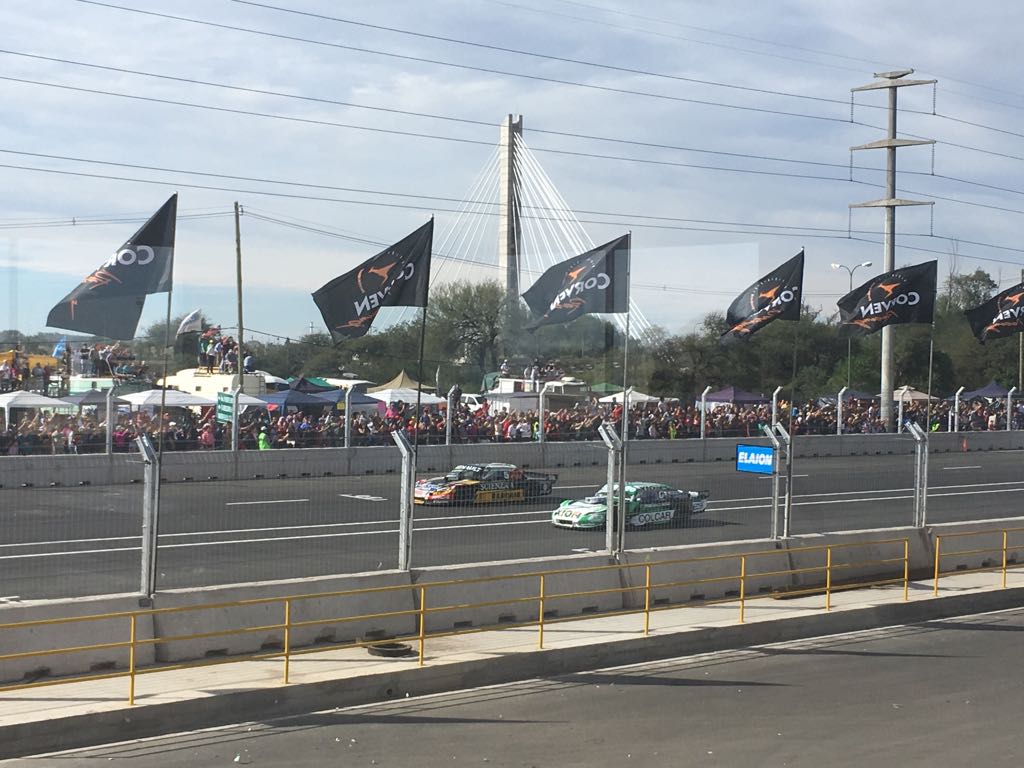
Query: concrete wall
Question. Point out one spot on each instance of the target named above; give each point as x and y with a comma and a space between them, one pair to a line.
711, 574
41, 471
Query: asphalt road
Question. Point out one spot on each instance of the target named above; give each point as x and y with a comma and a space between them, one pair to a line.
942, 693
65, 542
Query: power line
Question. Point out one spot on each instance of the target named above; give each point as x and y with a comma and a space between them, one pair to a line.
545, 56
470, 67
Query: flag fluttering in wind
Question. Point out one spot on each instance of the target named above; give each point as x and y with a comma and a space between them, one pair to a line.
1000, 316
398, 276
109, 301
905, 295
60, 347
776, 296
595, 281
192, 323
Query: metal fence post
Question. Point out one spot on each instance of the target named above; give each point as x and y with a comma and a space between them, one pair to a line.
109, 438
839, 410
406, 503
611, 439
775, 405
920, 474
775, 480
956, 409
704, 411
448, 415
348, 416
785, 438
150, 514
1009, 408
235, 432
541, 415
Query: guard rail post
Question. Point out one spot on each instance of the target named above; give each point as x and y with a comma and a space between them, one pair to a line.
743, 587
647, 599
775, 405
540, 614
406, 501
287, 638
611, 440
775, 480
828, 578
899, 415
785, 438
839, 410
704, 411
1009, 408
150, 514
956, 409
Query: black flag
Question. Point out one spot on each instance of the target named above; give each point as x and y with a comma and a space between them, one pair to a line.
398, 276
905, 295
1002, 315
594, 281
109, 301
776, 296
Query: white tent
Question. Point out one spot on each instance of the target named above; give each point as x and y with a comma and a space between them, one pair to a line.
153, 397
406, 396
910, 395
634, 397
23, 399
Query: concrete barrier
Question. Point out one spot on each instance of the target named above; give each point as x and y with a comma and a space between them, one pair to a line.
328, 613
712, 574
16, 471
506, 593
71, 635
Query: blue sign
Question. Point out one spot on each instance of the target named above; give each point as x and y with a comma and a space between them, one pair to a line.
759, 459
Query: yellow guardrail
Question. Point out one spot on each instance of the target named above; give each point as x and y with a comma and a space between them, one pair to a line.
829, 575
1002, 550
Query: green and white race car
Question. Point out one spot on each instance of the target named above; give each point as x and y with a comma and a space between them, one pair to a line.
647, 504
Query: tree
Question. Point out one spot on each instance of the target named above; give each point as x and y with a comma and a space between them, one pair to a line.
466, 321
967, 291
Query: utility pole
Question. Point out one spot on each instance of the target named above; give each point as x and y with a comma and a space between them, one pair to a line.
891, 81
238, 274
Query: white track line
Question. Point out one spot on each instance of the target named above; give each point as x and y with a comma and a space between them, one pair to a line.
269, 501
948, 469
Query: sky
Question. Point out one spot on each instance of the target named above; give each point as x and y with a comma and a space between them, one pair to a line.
717, 133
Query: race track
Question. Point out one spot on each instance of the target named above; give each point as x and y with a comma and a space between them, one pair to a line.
65, 542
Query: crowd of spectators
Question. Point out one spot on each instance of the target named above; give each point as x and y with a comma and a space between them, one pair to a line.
259, 429
220, 352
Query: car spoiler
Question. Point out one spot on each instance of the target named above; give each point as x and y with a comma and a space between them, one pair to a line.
540, 476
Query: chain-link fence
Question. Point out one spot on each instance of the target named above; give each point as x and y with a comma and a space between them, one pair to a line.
74, 525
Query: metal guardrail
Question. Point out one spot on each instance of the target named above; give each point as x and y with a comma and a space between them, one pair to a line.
1005, 565
829, 581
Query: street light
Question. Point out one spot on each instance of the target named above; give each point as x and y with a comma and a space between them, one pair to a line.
849, 341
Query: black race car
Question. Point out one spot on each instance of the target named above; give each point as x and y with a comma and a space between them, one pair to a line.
484, 483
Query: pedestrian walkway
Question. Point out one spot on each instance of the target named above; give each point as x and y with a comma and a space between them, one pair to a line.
95, 712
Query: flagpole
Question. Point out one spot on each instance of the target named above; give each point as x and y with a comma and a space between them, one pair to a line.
419, 373
621, 509
238, 273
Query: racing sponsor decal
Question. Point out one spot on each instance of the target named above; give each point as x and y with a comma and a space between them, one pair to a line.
398, 276
1000, 316
657, 516
776, 296
595, 281
905, 295
509, 494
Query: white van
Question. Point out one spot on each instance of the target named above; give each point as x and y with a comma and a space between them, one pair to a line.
475, 402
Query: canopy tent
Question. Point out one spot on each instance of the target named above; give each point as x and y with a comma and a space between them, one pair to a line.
96, 397
990, 390
405, 395
294, 398
605, 388
908, 394
634, 397
271, 380
24, 399
401, 381
357, 400
309, 384
735, 395
173, 398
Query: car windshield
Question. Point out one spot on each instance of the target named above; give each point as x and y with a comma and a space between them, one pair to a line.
602, 492
465, 473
